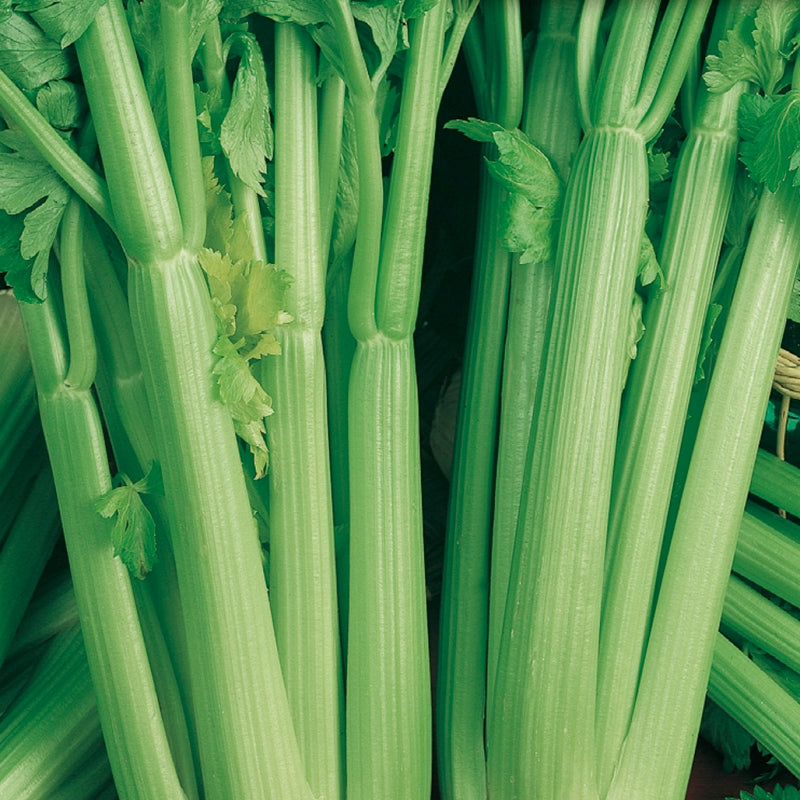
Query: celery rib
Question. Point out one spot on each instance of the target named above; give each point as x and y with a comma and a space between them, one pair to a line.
302, 560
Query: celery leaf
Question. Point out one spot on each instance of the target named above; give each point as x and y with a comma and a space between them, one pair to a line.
778, 793
733, 742
246, 132
62, 103
756, 49
774, 150
28, 57
31, 187
245, 399
534, 197
248, 297
63, 20
134, 531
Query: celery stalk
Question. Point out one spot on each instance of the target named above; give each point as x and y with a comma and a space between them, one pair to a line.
693, 585
388, 675
245, 735
461, 673
655, 406
302, 562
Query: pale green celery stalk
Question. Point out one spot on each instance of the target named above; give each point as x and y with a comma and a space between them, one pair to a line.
126, 696
302, 558
655, 405
542, 737
123, 402
25, 552
777, 482
244, 728
755, 618
337, 340
52, 725
184, 143
756, 701
550, 120
463, 622
388, 707
768, 553
657, 757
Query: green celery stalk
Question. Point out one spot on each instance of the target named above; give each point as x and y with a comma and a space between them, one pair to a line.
302, 557
756, 701
776, 482
245, 735
542, 737
126, 697
550, 120
655, 405
52, 725
92, 776
388, 726
755, 618
692, 589
25, 552
463, 624
767, 552
51, 610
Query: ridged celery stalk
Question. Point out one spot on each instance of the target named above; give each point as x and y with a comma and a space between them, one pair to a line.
302, 561
126, 697
767, 552
756, 701
244, 728
713, 499
655, 405
550, 120
542, 738
388, 712
52, 725
463, 625
754, 617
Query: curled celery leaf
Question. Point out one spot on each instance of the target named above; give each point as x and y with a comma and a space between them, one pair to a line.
248, 297
534, 197
134, 531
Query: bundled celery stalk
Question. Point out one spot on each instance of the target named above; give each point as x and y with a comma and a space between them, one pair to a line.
541, 732
242, 715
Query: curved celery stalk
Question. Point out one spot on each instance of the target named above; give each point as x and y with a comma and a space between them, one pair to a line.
463, 625
697, 567
542, 730
244, 729
655, 406
302, 561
